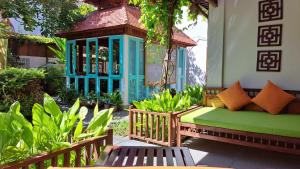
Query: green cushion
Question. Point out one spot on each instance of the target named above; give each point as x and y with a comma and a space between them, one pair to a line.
258, 122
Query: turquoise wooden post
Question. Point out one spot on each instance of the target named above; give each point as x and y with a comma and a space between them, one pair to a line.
136, 76
110, 62
180, 69
90, 74
70, 45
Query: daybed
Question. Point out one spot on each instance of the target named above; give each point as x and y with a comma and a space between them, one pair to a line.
248, 128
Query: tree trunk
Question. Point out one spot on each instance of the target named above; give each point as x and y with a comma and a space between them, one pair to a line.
171, 6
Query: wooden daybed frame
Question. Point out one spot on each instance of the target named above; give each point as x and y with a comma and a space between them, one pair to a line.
263, 141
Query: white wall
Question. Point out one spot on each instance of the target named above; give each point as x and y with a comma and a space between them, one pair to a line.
240, 45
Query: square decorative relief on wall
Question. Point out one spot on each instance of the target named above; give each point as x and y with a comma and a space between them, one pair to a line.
269, 35
269, 60
270, 10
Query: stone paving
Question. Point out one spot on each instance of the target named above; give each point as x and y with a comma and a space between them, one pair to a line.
216, 154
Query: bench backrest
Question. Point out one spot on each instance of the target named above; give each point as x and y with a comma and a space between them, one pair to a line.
211, 93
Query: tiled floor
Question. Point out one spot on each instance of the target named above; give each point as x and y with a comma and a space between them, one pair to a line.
215, 154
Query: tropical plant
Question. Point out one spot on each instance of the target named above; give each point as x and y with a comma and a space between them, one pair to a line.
16, 141
116, 99
164, 102
60, 49
196, 93
51, 130
55, 79
97, 126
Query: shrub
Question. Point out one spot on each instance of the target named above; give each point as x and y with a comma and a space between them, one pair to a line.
164, 102
51, 129
20, 84
55, 79
196, 93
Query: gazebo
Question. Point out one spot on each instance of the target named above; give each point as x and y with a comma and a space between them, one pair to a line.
106, 52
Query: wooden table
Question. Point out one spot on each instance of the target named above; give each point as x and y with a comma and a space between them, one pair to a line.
118, 156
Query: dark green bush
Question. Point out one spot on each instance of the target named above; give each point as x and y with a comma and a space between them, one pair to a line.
20, 84
55, 79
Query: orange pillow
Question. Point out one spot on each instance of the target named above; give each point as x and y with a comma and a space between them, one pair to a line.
272, 98
234, 97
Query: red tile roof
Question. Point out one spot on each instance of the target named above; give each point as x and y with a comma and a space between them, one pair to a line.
122, 15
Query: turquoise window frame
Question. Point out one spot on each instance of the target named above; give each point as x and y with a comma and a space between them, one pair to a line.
136, 75
71, 45
111, 76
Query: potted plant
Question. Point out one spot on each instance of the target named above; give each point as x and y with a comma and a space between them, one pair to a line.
116, 100
106, 100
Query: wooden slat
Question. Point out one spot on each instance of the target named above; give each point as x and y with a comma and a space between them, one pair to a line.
54, 161
131, 156
96, 150
170, 128
67, 159
178, 157
112, 157
188, 159
141, 126
136, 122
140, 158
157, 128
88, 154
130, 122
163, 128
152, 125
169, 157
78, 158
160, 156
147, 126
150, 156
121, 158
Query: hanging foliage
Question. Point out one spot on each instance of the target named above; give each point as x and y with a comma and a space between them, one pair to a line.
159, 17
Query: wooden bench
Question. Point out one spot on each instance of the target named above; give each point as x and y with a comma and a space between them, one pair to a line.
120, 156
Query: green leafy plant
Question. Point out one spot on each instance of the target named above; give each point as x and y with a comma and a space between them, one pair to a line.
164, 102
55, 79
196, 93
16, 141
97, 126
67, 96
60, 50
24, 85
52, 129
51, 126
116, 99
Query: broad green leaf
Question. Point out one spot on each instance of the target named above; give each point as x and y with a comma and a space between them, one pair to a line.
101, 119
96, 109
73, 110
52, 108
78, 129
